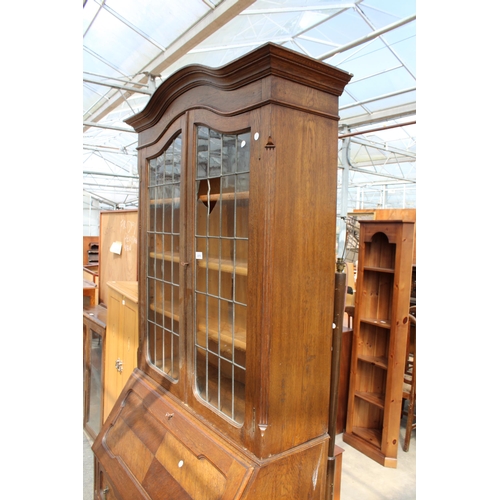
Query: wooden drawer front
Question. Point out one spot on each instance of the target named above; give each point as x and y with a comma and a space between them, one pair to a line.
151, 447
104, 488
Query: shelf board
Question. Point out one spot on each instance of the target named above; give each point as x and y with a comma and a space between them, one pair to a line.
380, 361
165, 256
388, 270
373, 398
243, 195
165, 201
225, 265
226, 336
372, 436
160, 310
382, 323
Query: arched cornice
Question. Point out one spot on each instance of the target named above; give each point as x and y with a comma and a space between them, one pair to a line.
267, 60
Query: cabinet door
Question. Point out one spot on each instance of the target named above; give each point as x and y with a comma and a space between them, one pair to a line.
221, 245
165, 244
112, 352
121, 346
196, 268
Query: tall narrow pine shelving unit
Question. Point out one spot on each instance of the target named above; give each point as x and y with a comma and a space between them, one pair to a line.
380, 334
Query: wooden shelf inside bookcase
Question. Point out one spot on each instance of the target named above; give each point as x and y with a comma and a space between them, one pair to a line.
226, 392
226, 336
225, 265
369, 442
372, 436
165, 256
165, 201
388, 270
379, 361
161, 310
243, 195
371, 397
382, 323
220, 331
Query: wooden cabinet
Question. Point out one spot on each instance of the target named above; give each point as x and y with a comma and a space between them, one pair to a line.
236, 281
122, 339
379, 343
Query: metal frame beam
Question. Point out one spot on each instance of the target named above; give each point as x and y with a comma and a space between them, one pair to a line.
205, 27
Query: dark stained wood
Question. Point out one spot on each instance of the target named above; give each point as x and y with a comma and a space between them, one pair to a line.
275, 444
254, 67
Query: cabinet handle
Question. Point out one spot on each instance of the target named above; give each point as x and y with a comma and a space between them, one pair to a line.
119, 365
105, 493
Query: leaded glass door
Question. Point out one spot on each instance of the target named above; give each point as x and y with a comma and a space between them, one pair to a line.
221, 243
163, 276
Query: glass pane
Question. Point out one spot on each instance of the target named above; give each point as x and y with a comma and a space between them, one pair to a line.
202, 152
228, 154
243, 152
214, 154
163, 260
221, 284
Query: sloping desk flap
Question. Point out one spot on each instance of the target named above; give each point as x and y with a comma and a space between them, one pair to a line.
151, 447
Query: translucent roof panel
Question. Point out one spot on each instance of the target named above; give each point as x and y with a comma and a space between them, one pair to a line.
130, 47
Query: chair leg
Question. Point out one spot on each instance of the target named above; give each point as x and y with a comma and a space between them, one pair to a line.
410, 425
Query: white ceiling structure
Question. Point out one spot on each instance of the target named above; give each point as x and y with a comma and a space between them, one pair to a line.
130, 47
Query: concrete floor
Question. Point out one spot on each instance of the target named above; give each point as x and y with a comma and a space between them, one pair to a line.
365, 479
362, 478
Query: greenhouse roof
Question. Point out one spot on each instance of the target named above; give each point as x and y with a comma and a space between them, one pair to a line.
130, 47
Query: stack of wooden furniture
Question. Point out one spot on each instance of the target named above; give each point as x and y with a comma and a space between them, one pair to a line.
237, 214
110, 321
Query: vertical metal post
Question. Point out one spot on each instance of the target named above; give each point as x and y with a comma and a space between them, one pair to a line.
344, 195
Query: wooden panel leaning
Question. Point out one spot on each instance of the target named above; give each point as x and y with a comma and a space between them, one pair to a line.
119, 264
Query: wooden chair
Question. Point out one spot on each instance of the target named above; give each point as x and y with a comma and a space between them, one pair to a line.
410, 378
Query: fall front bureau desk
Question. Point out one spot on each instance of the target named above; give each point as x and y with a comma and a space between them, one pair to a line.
237, 212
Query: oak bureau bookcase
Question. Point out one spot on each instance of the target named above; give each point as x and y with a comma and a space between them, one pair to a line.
238, 171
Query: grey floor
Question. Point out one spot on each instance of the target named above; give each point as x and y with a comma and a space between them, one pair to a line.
362, 478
